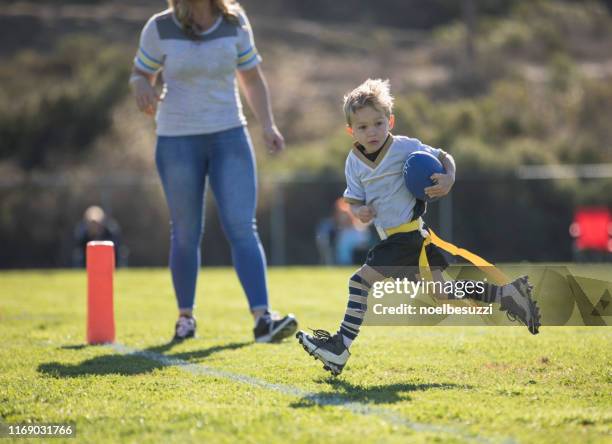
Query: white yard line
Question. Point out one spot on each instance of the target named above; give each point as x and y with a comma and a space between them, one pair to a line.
355, 407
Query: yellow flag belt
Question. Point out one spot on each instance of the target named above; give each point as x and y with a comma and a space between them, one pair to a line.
496, 275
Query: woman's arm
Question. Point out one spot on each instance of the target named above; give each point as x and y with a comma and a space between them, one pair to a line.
255, 89
142, 85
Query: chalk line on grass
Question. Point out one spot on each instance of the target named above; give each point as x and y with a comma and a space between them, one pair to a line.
354, 407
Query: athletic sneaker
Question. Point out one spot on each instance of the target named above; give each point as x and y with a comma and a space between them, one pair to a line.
185, 328
328, 349
517, 303
271, 328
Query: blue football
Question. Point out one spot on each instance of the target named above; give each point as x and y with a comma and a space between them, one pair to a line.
418, 168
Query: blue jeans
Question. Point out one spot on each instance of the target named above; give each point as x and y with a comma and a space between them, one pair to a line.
227, 158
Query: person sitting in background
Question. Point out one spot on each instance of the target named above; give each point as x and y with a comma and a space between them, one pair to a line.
325, 237
95, 226
353, 237
342, 239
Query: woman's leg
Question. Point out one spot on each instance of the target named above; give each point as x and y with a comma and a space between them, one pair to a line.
233, 180
182, 166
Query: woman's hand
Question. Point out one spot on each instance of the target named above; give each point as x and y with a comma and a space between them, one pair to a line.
255, 88
274, 140
442, 185
145, 94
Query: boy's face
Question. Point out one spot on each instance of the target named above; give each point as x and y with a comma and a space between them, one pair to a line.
370, 127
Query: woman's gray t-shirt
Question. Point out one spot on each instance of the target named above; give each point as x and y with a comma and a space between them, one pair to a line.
200, 93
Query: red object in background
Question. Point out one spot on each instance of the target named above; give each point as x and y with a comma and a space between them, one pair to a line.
592, 228
100, 311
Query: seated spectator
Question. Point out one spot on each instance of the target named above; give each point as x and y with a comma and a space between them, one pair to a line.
96, 226
326, 240
342, 239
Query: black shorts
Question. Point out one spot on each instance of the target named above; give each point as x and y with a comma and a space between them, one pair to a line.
398, 255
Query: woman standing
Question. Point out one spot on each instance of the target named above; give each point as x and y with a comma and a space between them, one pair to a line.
204, 49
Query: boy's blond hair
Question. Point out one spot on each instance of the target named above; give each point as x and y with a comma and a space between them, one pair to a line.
372, 92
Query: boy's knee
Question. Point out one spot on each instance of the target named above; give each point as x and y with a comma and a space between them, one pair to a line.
359, 289
367, 275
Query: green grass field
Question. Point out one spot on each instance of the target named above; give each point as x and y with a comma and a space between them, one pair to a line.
402, 384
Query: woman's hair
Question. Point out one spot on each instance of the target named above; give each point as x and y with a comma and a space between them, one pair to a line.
183, 10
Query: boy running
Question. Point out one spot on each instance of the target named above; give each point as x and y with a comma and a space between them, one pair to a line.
376, 192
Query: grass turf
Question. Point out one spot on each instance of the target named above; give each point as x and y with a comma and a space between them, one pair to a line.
417, 384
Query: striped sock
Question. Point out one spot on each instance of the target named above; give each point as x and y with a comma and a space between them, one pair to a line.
491, 294
355, 309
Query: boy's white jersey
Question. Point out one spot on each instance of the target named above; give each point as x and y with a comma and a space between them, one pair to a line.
380, 184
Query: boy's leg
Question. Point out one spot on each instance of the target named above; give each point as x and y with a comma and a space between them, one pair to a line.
332, 350
388, 258
514, 298
491, 293
359, 287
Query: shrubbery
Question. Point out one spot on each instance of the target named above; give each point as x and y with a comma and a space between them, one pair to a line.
55, 105
525, 98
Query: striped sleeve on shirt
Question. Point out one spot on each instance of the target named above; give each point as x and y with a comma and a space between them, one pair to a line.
146, 62
248, 57
149, 57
